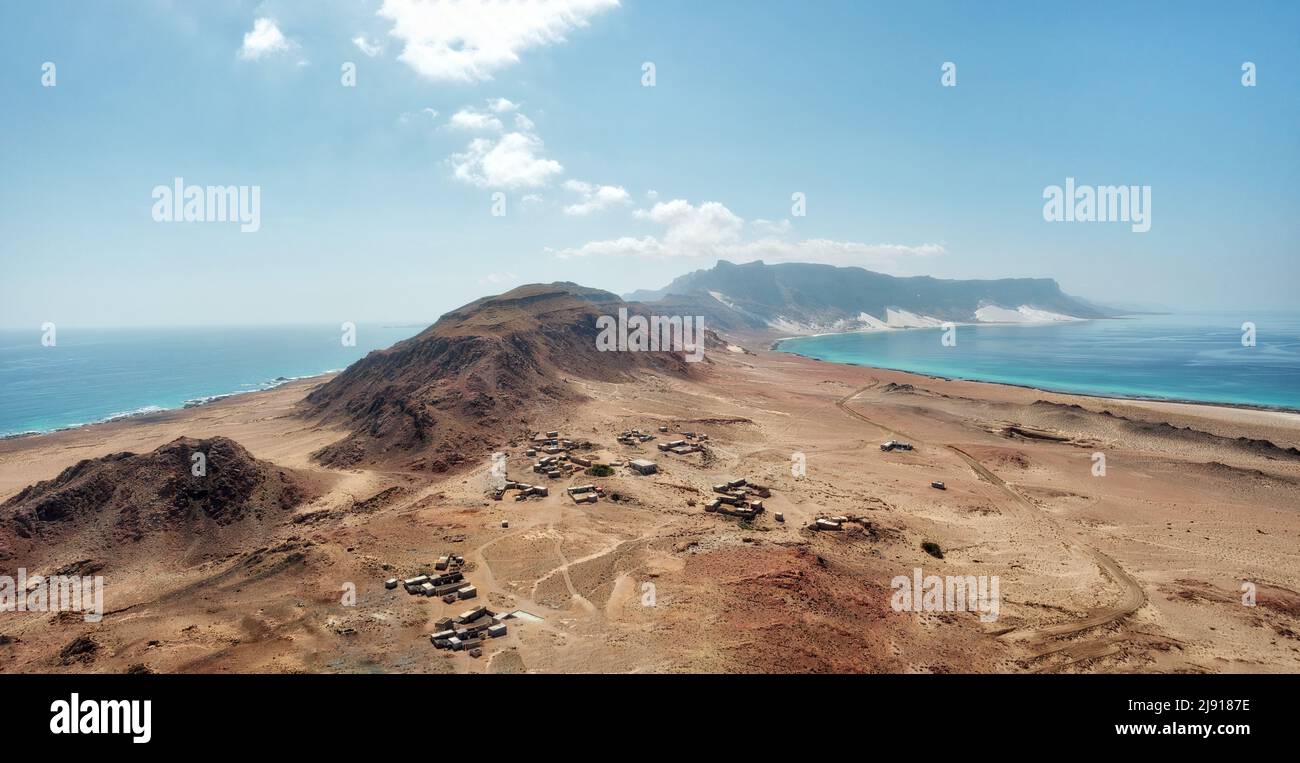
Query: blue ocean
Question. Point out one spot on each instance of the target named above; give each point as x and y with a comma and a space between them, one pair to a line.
1193, 357
92, 375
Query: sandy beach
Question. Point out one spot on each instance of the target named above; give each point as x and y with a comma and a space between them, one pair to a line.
1139, 569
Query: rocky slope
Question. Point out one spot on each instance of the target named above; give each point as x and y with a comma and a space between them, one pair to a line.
127, 497
476, 378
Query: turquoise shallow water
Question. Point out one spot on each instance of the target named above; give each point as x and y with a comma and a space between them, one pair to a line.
96, 374
93, 375
1196, 357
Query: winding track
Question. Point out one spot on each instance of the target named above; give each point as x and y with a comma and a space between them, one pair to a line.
1132, 598
1133, 595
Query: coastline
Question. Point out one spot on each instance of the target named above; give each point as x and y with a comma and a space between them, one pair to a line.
145, 419
887, 329
775, 346
156, 412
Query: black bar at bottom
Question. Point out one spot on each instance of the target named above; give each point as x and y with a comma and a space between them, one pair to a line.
213, 712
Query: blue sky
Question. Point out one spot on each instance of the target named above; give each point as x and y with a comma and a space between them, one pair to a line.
374, 208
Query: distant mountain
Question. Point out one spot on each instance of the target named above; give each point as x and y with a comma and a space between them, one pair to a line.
809, 298
476, 378
1116, 309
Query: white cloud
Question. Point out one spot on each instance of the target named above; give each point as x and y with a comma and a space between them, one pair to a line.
689, 228
408, 117
595, 197
513, 161
463, 41
371, 49
524, 123
477, 121
265, 39
774, 228
711, 230
502, 105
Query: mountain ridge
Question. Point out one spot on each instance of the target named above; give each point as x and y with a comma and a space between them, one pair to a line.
815, 297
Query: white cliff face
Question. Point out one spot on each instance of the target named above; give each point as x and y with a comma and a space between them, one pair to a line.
723, 298
872, 322
864, 322
787, 326
905, 319
1022, 314
894, 319
902, 319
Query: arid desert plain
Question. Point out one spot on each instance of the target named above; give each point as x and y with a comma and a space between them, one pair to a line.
1141, 569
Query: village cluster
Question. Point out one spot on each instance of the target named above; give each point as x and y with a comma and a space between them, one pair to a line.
683, 447
734, 499
555, 457
450, 585
835, 523
468, 631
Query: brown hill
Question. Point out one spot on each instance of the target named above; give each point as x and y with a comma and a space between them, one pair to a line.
477, 377
128, 496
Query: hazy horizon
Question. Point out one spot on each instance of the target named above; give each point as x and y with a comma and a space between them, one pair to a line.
423, 322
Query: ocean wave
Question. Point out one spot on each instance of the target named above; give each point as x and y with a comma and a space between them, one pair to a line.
278, 381
141, 411
145, 410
